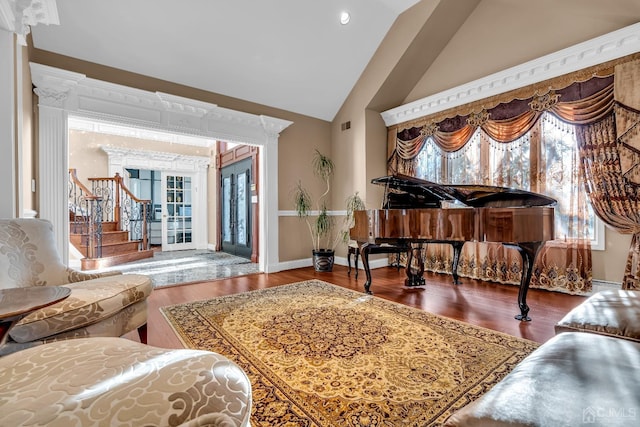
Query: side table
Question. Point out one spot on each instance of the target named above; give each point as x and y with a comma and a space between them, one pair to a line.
15, 303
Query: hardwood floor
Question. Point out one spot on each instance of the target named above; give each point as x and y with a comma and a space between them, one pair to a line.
485, 304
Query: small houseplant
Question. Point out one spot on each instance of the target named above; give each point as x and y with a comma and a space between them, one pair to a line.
324, 235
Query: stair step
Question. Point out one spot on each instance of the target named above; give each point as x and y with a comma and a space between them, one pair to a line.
110, 249
98, 263
108, 237
107, 226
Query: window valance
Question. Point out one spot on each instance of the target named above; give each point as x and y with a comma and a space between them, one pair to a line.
578, 103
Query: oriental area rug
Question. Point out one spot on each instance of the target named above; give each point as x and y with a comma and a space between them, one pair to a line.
321, 355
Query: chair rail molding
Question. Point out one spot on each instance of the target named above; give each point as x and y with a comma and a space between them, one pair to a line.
63, 94
586, 54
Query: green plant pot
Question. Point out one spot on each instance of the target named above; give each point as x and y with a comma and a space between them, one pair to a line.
323, 259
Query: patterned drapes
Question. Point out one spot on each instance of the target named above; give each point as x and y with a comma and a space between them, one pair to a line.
610, 153
608, 134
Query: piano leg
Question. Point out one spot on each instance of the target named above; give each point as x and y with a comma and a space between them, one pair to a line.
457, 249
528, 252
364, 254
355, 251
415, 278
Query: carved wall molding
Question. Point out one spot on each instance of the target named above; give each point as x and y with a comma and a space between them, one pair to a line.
51, 98
18, 16
614, 45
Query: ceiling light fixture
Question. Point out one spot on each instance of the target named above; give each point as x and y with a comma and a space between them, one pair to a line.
345, 17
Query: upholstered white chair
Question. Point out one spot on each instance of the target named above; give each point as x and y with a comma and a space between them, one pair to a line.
119, 382
106, 305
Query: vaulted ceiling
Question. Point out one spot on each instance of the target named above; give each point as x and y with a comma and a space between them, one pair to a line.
288, 54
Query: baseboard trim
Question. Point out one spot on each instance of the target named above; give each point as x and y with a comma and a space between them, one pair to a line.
604, 284
308, 262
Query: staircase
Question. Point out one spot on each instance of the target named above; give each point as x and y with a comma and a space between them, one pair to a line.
101, 225
116, 247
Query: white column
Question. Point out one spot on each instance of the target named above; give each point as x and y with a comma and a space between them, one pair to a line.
8, 161
55, 89
53, 152
20, 159
202, 231
268, 193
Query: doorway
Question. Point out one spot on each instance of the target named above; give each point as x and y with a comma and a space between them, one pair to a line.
177, 211
235, 197
172, 206
121, 105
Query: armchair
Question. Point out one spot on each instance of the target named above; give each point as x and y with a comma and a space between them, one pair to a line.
100, 304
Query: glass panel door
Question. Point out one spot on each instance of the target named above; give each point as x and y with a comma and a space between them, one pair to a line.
177, 217
236, 209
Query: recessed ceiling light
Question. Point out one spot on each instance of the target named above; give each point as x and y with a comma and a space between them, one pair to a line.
345, 18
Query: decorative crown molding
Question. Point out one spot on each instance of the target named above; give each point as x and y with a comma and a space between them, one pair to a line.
273, 126
97, 126
54, 79
18, 16
592, 52
153, 157
112, 103
185, 105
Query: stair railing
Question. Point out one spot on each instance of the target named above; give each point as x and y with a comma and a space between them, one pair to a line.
85, 216
121, 206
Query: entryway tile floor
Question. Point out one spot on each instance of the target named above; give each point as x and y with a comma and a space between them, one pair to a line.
187, 266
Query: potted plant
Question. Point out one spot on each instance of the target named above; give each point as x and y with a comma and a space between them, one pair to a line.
324, 238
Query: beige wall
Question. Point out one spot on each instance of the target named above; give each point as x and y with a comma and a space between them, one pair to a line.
294, 164
609, 264
358, 151
503, 33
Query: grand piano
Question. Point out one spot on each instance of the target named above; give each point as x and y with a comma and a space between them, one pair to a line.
416, 212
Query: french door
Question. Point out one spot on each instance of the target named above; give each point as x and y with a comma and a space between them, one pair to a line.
236, 208
177, 204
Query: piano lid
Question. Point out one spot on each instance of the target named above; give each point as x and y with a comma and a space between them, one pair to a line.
414, 192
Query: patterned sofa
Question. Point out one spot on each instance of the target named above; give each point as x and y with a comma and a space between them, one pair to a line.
119, 382
105, 305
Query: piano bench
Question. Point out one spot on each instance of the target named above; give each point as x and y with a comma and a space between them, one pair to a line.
354, 249
613, 313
